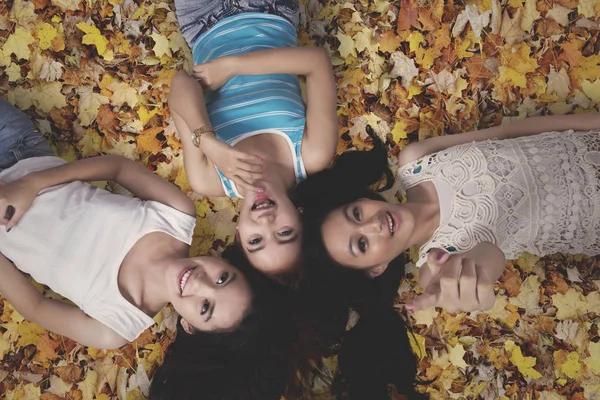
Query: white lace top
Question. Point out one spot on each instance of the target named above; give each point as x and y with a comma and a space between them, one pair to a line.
538, 194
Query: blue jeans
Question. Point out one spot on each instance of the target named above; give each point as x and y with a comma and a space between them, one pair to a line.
18, 138
197, 16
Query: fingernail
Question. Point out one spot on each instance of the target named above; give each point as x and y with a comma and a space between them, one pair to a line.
440, 255
261, 159
260, 191
266, 175
8, 230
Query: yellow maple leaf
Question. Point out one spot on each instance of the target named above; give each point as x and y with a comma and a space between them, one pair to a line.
29, 332
123, 93
511, 77
567, 363
14, 72
569, 305
593, 361
417, 343
530, 15
67, 5
46, 34
4, 347
524, 364
88, 385
589, 8
161, 45
47, 96
398, 131
346, 45
94, 37
456, 356
592, 90
89, 103
18, 43
145, 114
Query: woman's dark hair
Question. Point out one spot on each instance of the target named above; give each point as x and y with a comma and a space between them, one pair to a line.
254, 361
375, 353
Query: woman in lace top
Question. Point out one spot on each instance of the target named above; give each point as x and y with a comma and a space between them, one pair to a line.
472, 200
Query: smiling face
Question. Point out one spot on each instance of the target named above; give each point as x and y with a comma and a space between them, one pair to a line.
208, 293
270, 231
367, 234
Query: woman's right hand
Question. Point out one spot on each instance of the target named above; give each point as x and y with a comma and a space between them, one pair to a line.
242, 168
453, 282
214, 73
16, 198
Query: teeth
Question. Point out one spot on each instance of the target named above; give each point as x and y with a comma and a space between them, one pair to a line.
184, 279
390, 223
263, 205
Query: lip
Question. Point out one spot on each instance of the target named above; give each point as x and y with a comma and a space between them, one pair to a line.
261, 198
395, 221
180, 277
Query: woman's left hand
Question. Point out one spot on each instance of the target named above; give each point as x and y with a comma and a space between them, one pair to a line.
16, 198
214, 73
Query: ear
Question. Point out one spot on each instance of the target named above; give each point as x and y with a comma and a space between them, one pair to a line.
374, 272
187, 327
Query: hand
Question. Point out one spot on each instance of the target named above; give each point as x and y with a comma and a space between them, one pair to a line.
16, 198
455, 283
242, 168
213, 74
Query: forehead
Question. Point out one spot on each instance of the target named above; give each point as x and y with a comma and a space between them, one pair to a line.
232, 303
336, 231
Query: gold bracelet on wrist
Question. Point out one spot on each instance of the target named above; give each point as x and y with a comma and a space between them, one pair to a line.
197, 134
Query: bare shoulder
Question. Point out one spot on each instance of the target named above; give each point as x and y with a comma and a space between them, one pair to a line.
315, 156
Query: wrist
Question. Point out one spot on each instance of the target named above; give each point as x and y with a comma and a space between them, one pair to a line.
201, 133
36, 180
230, 65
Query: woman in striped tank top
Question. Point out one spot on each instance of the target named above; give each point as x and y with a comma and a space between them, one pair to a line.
245, 129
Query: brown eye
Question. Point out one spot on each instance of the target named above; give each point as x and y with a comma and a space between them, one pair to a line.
362, 244
255, 241
286, 232
205, 307
356, 213
223, 278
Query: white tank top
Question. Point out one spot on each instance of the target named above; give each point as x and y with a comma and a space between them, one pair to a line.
539, 194
75, 237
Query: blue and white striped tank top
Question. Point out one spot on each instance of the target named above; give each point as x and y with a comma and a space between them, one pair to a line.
248, 105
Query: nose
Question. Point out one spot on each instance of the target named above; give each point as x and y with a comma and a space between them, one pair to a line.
374, 225
266, 218
200, 283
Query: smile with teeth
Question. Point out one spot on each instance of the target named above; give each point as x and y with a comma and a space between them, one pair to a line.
262, 204
391, 223
184, 279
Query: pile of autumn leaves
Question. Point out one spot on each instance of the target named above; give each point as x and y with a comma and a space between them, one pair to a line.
94, 76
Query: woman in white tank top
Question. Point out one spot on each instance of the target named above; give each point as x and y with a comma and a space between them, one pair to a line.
120, 260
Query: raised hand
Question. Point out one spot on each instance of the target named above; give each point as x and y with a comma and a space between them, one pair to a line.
214, 73
15, 199
455, 283
242, 168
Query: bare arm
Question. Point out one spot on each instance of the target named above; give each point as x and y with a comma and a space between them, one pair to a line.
54, 315
321, 136
186, 102
526, 127
133, 176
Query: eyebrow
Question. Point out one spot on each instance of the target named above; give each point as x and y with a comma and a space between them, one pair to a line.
212, 309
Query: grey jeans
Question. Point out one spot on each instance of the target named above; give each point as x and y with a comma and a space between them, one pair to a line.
197, 16
18, 138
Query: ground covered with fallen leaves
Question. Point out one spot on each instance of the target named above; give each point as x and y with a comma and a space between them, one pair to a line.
94, 75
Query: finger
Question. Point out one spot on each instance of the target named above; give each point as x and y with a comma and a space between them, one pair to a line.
252, 167
449, 281
422, 301
14, 220
436, 260
468, 286
249, 158
240, 182
2, 183
250, 177
485, 290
